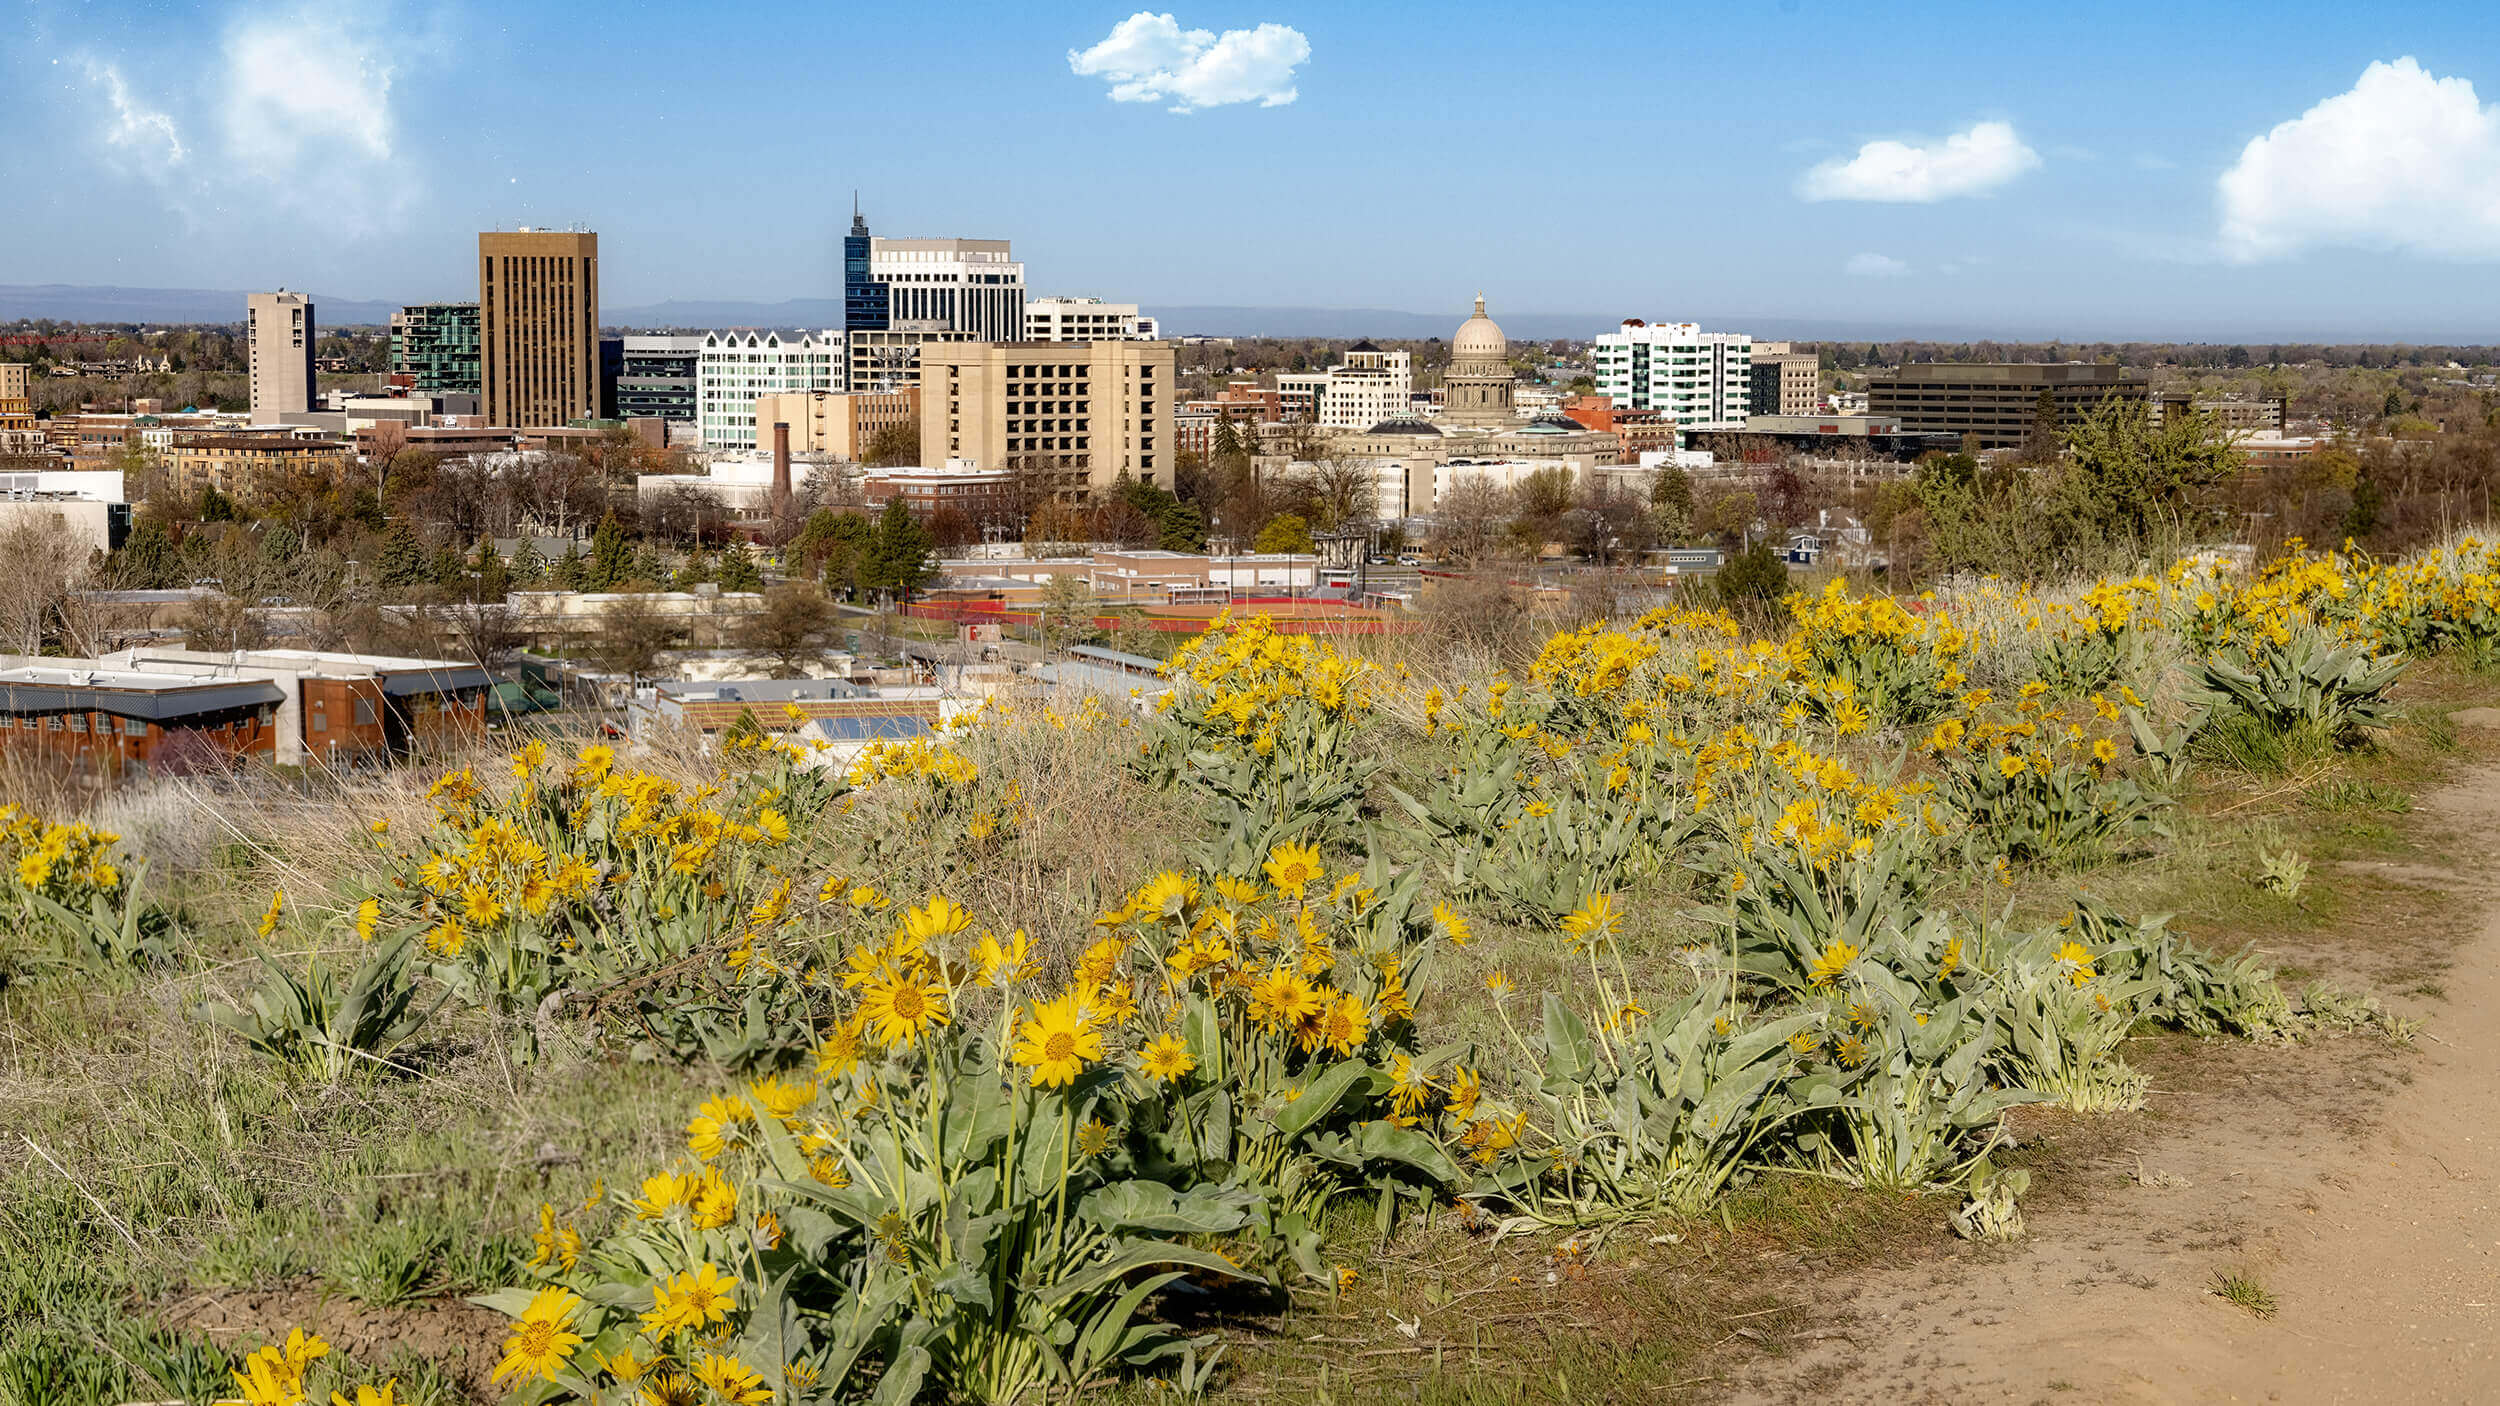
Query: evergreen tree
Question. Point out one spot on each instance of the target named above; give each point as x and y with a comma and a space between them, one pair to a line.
400, 562
148, 559
527, 565
697, 570
611, 558
646, 567
216, 506
492, 579
1182, 528
738, 571
570, 571
450, 570
897, 558
279, 545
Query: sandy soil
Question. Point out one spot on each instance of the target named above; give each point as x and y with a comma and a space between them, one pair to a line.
2355, 1181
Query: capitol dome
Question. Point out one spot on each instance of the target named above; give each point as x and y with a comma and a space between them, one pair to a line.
1479, 338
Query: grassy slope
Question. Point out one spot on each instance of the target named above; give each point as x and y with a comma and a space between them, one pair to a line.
255, 1202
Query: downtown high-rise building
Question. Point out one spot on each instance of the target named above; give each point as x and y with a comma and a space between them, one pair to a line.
538, 326
900, 295
863, 297
1703, 381
435, 346
279, 342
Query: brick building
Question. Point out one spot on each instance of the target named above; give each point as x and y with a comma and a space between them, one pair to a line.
142, 722
252, 468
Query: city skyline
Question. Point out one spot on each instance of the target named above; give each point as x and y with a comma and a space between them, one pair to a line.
2328, 179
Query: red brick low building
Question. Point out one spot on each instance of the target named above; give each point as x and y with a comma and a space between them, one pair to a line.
138, 722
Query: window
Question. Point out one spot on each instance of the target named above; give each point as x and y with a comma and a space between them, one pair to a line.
78, 722
321, 722
364, 712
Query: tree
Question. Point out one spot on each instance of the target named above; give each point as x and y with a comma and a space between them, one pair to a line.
1285, 532
2042, 444
1752, 579
738, 571
1541, 500
898, 555
898, 443
1342, 492
401, 561
629, 635
493, 581
1471, 515
1067, 608
48, 565
833, 546
1671, 502
2133, 476
793, 627
611, 557
147, 559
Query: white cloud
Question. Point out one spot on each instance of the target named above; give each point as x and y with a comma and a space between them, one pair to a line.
137, 128
1150, 58
1875, 266
292, 109
1965, 163
2403, 161
302, 89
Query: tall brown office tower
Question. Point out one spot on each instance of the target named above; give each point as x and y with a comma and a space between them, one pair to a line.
538, 326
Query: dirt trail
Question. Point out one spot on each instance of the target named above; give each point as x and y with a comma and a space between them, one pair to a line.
2361, 1188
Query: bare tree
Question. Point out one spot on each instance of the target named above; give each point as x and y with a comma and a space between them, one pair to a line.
1343, 492
793, 628
48, 562
629, 634
1471, 516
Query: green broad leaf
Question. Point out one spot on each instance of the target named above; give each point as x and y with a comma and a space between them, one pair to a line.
903, 1376
1151, 1206
508, 1302
781, 1149
966, 1285
854, 1203
1109, 1331
1569, 1057
1387, 1142
1134, 1255
1215, 1139
1320, 1097
1037, 1148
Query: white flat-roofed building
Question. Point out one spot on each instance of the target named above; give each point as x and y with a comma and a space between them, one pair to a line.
1369, 386
742, 486
1085, 320
1701, 380
962, 285
734, 368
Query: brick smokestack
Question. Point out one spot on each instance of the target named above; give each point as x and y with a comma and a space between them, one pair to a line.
781, 464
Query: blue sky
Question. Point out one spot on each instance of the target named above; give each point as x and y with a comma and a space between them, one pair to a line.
2070, 170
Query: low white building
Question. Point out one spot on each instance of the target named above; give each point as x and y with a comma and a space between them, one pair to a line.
89, 502
733, 368
741, 485
1085, 320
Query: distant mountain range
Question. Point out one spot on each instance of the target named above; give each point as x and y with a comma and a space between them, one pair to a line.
76, 303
